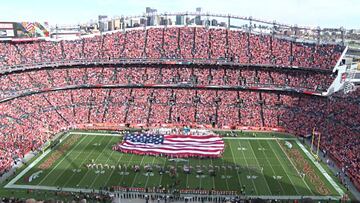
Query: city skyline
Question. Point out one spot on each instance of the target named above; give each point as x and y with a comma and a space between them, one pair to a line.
331, 13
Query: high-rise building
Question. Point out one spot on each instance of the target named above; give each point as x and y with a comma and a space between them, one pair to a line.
179, 20
214, 22
198, 17
103, 24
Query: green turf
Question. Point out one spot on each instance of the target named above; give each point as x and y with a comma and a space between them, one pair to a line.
263, 169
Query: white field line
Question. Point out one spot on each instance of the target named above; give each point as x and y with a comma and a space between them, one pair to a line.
27, 169
116, 169
89, 171
160, 179
292, 183
63, 158
127, 167
52, 188
294, 166
93, 133
147, 178
79, 153
112, 170
257, 162
200, 178
257, 138
142, 159
248, 167
321, 169
265, 155
213, 178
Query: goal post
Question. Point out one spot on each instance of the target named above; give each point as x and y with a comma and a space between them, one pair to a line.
317, 144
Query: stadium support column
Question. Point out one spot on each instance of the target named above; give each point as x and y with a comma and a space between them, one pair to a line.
128, 106
82, 47
163, 41
227, 45
150, 100
342, 36
271, 42
178, 41
318, 35
62, 49
145, 42
209, 43
194, 43
248, 40
40, 51
90, 104
261, 103
106, 101
228, 25
102, 45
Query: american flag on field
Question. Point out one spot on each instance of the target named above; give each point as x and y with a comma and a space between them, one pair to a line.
173, 145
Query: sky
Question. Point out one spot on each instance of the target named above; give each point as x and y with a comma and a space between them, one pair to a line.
323, 13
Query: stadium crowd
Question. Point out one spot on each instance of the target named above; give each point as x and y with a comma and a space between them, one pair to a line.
29, 119
175, 43
12, 85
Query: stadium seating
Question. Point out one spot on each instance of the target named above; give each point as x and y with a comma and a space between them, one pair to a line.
175, 43
20, 83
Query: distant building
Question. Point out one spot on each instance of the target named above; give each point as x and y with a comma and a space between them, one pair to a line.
214, 22
198, 17
103, 24
151, 21
179, 20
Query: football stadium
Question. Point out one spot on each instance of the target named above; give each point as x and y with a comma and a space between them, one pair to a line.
178, 107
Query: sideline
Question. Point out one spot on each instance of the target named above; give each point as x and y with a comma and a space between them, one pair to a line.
285, 197
258, 138
94, 133
23, 172
321, 169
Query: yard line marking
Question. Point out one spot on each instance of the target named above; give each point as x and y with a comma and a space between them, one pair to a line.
79, 153
237, 173
97, 175
295, 167
116, 168
147, 179
198, 163
248, 168
165, 160
263, 175
213, 178
272, 169
94, 161
66, 155
75, 159
126, 169
283, 168
227, 184
321, 169
136, 174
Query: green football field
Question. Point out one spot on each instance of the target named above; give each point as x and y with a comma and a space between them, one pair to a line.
259, 166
